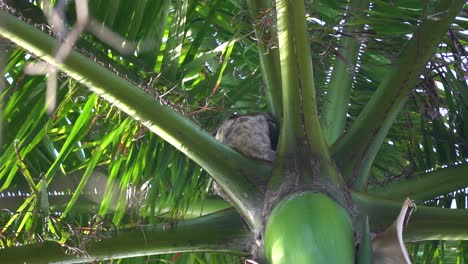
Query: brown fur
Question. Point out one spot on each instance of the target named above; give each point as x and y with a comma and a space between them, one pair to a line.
252, 135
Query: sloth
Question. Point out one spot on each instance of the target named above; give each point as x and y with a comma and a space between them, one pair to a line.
253, 135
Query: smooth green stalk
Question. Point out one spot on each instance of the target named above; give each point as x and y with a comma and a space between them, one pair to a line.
301, 136
230, 169
90, 202
425, 186
341, 80
220, 232
425, 223
356, 150
261, 13
308, 228
365, 246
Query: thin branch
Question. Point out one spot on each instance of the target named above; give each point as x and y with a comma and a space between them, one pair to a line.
426, 223
219, 232
339, 89
425, 186
263, 14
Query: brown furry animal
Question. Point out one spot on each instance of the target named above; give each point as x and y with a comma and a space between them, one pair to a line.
253, 135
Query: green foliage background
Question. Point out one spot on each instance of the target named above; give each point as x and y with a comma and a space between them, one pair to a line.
201, 59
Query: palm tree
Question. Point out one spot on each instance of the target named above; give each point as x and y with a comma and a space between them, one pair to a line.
370, 99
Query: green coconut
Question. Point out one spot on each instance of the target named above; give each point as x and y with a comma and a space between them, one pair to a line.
309, 228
